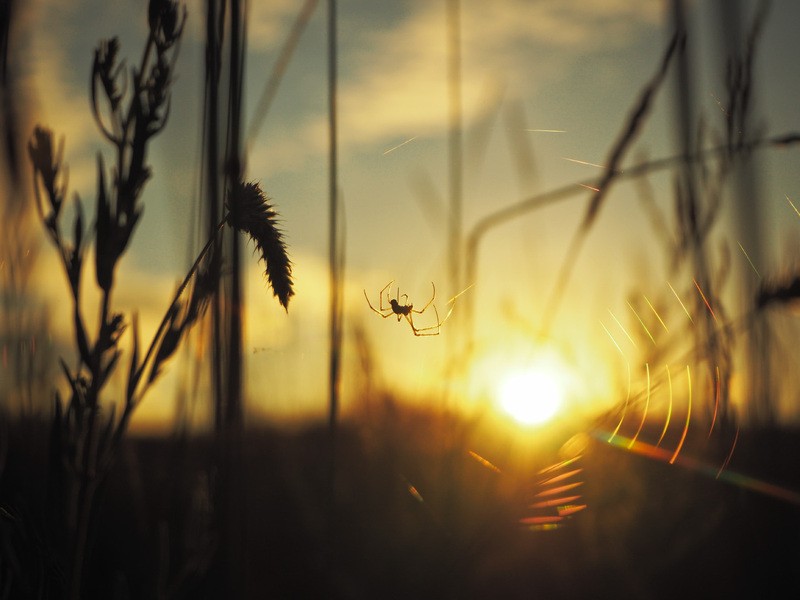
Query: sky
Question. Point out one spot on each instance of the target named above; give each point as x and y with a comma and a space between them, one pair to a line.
546, 88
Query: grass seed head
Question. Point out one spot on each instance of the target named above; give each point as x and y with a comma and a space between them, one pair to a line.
252, 213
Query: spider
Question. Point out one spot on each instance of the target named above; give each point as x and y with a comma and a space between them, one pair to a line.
406, 310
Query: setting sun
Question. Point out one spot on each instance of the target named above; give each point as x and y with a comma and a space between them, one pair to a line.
535, 390
531, 397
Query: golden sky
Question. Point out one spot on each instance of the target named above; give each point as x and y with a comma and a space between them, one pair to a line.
546, 86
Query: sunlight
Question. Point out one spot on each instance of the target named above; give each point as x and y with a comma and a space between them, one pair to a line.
531, 397
534, 393
532, 384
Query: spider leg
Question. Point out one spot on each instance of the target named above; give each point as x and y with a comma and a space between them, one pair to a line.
409, 318
422, 310
433, 329
398, 296
380, 296
375, 310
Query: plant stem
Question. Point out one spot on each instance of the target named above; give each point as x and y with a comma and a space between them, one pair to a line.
173, 304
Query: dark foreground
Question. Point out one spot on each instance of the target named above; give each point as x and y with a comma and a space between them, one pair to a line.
416, 513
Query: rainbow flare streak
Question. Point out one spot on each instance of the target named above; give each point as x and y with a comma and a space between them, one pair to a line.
739, 479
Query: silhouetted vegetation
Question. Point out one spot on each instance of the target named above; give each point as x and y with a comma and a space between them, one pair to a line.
391, 500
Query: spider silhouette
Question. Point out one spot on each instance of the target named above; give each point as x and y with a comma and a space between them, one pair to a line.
406, 309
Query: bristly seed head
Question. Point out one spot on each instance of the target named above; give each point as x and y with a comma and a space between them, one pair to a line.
251, 212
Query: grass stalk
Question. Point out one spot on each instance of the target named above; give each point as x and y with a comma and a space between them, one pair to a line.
335, 264
504, 215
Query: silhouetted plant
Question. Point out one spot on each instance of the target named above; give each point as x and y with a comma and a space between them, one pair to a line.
84, 440
256, 217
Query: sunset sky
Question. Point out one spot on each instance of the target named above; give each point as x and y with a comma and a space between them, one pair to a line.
546, 88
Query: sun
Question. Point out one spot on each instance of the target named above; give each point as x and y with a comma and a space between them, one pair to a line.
530, 397
533, 394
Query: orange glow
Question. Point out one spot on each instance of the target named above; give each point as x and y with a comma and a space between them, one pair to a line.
625, 406
559, 490
561, 477
705, 300
646, 406
566, 500
482, 461
730, 454
570, 509
688, 417
415, 493
554, 505
669, 408
535, 392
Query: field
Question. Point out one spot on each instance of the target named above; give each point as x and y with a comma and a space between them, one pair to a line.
415, 517
548, 399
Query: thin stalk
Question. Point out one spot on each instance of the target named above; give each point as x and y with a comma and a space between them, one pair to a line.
455, 146
212, 73
82, 536
231, 493
455, 162
333, 213
233, 174
335, 348
175, 300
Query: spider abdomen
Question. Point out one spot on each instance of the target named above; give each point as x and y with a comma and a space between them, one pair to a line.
400, 309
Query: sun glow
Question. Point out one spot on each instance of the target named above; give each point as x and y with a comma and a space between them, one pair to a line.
531, 397
536, 392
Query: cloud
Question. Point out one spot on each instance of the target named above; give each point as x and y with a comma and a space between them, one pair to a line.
395, 84
269, 22
572, 25
60, 84
393, 76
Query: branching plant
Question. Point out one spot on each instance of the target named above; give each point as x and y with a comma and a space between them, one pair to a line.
130, 108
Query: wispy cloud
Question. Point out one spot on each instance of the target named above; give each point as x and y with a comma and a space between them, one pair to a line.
398, 83
268, 22
394, 80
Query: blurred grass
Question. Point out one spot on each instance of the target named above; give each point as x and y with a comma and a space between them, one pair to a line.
650, 529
